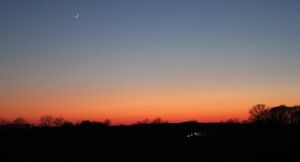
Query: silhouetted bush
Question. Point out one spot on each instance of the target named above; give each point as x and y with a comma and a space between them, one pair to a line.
156, 121
145, 121
107, 122
67, 124
91, 124
233, 121
20, 122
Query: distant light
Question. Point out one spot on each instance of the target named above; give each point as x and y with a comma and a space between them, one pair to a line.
197, 134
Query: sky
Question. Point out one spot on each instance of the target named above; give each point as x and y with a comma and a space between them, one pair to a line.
128, 60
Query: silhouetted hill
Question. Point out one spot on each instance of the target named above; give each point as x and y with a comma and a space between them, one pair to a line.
271, 134
151, 142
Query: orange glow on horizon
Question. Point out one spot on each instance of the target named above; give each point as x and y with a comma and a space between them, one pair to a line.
127, 106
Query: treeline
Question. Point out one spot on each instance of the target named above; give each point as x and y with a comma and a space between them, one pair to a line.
278, 115
50, 121
258, 114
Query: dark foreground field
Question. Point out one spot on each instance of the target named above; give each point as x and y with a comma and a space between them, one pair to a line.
151, 142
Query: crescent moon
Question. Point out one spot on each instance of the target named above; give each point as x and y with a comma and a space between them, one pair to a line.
76, 16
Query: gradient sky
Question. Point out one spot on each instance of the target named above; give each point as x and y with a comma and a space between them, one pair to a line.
128, 60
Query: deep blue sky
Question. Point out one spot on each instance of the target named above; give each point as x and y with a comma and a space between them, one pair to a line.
147, 47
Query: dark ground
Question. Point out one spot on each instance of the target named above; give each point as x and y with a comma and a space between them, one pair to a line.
153, 142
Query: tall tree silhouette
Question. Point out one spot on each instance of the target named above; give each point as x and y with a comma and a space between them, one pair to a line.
259, 113
58, 121
46, 121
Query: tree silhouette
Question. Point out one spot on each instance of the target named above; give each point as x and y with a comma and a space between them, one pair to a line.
46, 121
279, 115
295, 115
107, 122
58, 121
259, 113
20, 122
3, 122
